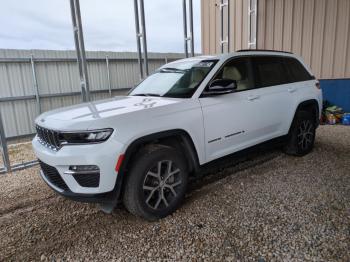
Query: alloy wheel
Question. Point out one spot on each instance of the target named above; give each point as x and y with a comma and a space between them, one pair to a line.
305, 134
161, 184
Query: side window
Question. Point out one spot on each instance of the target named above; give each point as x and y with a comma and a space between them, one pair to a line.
297, 71
270, 71
237, 69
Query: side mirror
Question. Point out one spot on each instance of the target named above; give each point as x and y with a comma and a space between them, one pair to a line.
220, 87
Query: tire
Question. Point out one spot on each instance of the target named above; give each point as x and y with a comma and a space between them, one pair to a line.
301, 136
157, 182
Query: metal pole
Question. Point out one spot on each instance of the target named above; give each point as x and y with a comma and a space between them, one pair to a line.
138, 35
4, 151
222, 5
78, 40
222, 25
35, 85
82, 49
108, 77
184, 16
252, 27
249, 24
228, 26
144, 37
191, 28
256, 24
77, 48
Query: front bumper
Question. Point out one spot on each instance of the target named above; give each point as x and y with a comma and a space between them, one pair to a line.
103, 155
92, 198
102, 198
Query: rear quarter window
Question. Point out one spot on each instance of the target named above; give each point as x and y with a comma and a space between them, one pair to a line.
297, 71
270, 71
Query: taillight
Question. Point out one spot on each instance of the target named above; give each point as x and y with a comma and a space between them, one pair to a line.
318, 85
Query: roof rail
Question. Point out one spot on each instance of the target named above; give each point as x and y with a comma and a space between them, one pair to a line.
264, 50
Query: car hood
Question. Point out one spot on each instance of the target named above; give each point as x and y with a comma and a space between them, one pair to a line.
88, 114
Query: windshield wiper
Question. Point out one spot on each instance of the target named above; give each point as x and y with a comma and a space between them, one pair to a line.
146, 94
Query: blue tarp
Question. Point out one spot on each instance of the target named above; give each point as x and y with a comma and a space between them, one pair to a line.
337, 92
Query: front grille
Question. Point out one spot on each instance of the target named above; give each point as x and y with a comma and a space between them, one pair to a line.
88, 180
48, 138
53, 176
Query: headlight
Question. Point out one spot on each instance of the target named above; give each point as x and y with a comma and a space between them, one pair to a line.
85, 137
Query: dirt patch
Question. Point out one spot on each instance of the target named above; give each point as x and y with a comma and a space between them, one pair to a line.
19, 153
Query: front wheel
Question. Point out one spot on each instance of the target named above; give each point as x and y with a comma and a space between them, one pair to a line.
156, 183
301, 136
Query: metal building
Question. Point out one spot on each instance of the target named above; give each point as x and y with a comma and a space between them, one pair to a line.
317, 30
31, 77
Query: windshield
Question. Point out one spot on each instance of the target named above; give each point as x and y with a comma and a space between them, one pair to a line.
177, 79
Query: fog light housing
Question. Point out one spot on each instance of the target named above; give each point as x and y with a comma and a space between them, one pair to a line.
82, 169
85, 175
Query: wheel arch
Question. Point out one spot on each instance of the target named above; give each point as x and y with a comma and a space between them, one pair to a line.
177, 138
168, 137
310, 105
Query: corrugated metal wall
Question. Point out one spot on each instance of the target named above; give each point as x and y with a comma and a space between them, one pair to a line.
210, 14
61, 77
318, 30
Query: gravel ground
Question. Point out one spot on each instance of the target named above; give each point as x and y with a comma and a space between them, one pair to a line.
270, 208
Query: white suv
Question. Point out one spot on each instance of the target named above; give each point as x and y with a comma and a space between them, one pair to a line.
142, 148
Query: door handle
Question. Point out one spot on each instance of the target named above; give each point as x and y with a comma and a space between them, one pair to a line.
291, 89
253, 97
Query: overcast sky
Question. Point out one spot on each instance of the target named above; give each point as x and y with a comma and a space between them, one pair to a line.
108, 25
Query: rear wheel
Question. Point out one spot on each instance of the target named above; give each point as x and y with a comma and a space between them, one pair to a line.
301, 136
156, 183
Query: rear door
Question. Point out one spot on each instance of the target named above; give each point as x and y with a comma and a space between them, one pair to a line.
277, 94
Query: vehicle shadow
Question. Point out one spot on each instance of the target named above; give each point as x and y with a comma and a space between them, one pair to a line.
231, 165
228, 166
